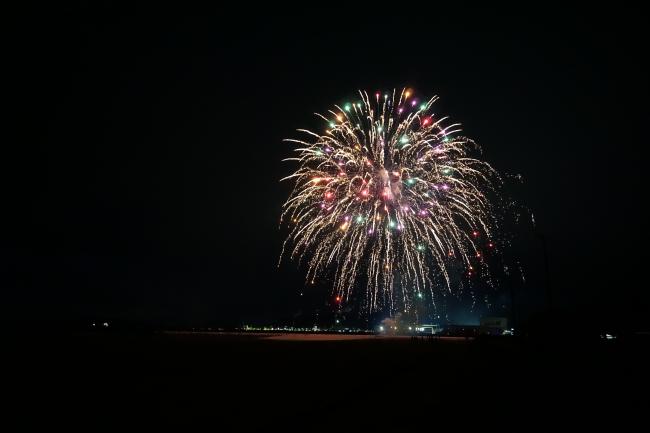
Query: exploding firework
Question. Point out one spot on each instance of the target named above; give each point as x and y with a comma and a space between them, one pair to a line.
389, 197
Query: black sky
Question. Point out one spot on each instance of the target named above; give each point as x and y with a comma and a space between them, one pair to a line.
143, 184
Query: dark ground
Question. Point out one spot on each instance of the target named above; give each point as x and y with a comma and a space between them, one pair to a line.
129, 381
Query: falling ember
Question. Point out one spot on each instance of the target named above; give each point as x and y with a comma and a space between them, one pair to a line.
376, 163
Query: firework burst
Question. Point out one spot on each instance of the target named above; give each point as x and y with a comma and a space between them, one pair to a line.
388, 197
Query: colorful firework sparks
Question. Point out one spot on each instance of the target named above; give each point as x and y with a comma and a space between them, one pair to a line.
388, 197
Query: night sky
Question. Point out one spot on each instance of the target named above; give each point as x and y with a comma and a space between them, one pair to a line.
144, 182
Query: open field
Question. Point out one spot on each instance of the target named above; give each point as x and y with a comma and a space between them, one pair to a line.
317, 382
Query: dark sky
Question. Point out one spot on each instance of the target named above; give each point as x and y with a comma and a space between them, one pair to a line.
144, 182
